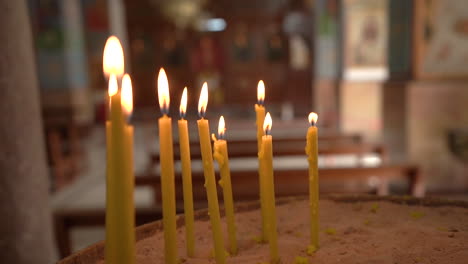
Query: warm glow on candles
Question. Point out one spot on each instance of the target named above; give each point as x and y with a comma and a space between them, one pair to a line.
266, 157
267, 124
113, 86
203, 101
312, 157
113, 57
183, 104
163, 92
260, 92
313, 118
166, 156
221, 128
127, 95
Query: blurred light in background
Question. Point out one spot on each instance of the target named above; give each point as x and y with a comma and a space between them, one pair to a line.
212, 24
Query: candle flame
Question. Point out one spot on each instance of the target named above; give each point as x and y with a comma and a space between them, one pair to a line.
221, 128
183, 103
163, 91
261, 92
203, 101
267, 124
113, 86
313, 117
113, 57
127, 95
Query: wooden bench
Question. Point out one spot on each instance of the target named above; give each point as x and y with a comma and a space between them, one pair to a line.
240, 148
287, 182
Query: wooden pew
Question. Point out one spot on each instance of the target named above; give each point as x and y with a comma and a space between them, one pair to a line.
348, 144
287, 182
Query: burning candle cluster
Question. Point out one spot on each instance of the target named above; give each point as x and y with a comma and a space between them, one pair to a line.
120, 212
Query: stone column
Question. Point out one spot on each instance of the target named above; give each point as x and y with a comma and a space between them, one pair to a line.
118, 26
25, 222
400, 68
327, 64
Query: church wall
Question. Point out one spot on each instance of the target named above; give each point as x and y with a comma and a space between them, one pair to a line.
435, 108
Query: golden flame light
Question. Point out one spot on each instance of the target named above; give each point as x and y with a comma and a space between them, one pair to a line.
313, 117
203, 101
261, 92
221, 128
113, 57
267, 124
113, 86
163, 91
127, 95
183, 103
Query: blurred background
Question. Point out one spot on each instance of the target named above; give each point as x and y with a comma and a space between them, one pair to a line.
388, 79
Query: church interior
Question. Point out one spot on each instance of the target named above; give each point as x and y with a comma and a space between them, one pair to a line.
387, 78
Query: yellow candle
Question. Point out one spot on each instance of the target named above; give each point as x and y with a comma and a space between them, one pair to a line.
120, 236
266, 154
110, 207
312, 156
260, 114
167, 171
221, 156
186, 176
210, 182
120, 212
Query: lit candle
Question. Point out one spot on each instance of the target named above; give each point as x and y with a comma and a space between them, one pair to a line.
260, 114
312, 156
210, 181
186, 175
266, 154
221, 156
167, 171
127, 203
113, 58
120, 212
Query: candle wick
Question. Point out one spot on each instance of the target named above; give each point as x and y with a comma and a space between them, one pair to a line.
201, 114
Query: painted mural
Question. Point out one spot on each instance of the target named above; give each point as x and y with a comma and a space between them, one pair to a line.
366, 33
444, 45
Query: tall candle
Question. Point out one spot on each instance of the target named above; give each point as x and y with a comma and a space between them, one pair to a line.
128, 192
120, 236
167, 171
186, 176
221, 156
110, 211
210, 182
260, 114
312, 156
266, 154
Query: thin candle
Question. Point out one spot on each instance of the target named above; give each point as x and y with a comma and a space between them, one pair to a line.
167, 171
127, 194
266, 154
221, 156
210, 181
120, 235
312, 157
260, 117
186, 176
